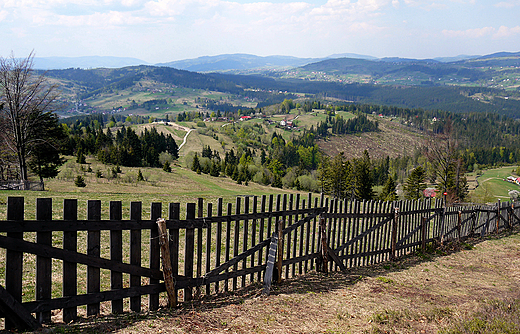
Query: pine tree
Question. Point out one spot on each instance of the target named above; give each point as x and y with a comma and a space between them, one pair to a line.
363, 178
389, 190
195, 166
415, 184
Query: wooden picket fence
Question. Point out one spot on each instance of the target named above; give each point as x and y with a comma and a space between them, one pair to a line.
94, 265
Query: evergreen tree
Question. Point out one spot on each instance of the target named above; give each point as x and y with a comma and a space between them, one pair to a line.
195, 165
415, 184
363, 178
389, 192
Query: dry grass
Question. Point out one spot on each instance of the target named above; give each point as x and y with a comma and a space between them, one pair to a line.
428, 293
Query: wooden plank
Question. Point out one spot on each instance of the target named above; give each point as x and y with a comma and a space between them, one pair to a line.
116, 254
200, 214
314, 247
323, 244
135, 253
334, 241
334, 257
43, 264
308, 235
93, 250
17, 315
236, 240
236, 259
169, 280
343, 223
301, 241
279, 262
218, 240
69, 302
261, 234
14, 258
70, 273
289, 237
395, 220
253, 235
245, 238
208, 246
155, 254
228, 242
105, 225
174, 213
268, 277
288, 242
189, 251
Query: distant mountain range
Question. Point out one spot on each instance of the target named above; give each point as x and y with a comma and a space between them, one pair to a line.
57, 63
230, 62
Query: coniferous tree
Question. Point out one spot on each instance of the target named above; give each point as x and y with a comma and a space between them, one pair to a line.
415, 184
363, 178
389, 192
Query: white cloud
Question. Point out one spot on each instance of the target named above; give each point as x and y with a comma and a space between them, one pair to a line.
3, 15
504, 31
508, 4
470, 33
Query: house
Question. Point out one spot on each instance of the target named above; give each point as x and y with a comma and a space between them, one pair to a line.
245, 118
429, 192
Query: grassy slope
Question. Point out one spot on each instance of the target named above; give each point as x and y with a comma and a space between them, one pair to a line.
181, 185
492, 185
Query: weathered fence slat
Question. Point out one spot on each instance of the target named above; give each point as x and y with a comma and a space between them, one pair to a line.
116, 254
70, 271
189, 251
93, 250
135, 253
43, 263
14, 257
18, 316
268, 277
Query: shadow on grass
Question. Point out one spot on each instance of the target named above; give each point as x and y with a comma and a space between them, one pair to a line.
312, 282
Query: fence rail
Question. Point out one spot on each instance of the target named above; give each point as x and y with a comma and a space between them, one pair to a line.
77, 264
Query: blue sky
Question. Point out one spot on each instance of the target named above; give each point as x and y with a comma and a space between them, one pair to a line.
167, 30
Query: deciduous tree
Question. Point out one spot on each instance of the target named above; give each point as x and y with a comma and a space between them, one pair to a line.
27, 101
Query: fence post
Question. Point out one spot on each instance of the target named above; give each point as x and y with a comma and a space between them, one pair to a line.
200, 214
169, 281
279, 263
135, 252
93, 249
394, 234
324, 247
174, 213
459, 223
43, 264
116, 254
14, 259
70, 271
423, 233
155, 253
498, 216
188, 256
208, 245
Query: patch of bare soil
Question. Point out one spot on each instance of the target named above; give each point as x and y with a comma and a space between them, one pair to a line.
423, 293
393, 140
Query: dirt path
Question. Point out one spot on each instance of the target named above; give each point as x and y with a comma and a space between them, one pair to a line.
420, 294
185, 139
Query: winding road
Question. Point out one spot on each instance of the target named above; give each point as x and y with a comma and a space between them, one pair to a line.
185, 139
